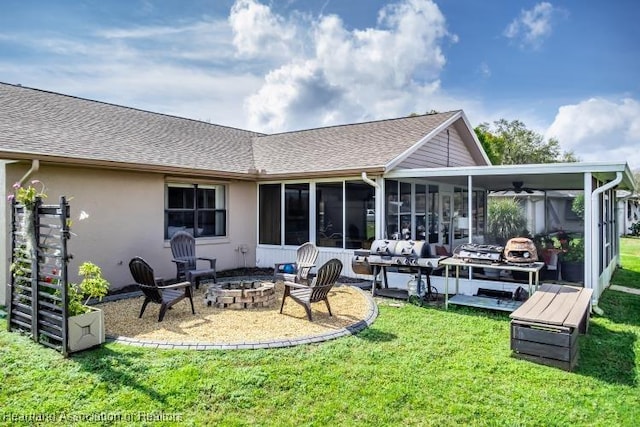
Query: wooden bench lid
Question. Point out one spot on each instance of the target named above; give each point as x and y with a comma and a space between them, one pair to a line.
557, 305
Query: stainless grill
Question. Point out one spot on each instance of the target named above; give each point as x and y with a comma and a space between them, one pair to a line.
473, 252
407, 256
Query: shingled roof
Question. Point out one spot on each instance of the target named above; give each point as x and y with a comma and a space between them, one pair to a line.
66, 129
46, 125
362, 146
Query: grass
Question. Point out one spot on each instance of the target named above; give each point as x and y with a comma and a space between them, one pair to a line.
414, 366
630, 255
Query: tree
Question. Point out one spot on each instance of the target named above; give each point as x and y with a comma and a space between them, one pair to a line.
491, 144
511, 143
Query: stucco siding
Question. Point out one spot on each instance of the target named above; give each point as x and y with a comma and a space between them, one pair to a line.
5, 245
435, 153
241, 220
126, 219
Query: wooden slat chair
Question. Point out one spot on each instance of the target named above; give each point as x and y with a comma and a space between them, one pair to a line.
317, 291
306, 257
155, 292
183, 248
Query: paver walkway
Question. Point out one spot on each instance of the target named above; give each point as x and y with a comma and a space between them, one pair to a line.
626, 289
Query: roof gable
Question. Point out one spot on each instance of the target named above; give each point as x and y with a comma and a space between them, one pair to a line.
453, 143
362, 146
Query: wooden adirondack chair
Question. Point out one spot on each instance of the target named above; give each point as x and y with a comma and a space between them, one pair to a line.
317, 291
183, 248
298, 272
155, 292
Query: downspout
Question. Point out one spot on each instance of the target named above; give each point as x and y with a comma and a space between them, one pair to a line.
595, 213
379, 208
35, 165
369, 181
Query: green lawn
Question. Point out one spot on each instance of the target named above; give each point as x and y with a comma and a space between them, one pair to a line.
414, 366
630, 254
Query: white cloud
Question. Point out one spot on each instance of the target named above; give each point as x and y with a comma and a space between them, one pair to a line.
600, 130
187, 69
260, 33
344, 75
532, 26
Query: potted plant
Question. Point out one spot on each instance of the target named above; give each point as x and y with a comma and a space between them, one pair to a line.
86, 323
26, 197
572, 261
548, 250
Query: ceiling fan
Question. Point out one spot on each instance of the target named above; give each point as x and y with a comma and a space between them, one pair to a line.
518, 187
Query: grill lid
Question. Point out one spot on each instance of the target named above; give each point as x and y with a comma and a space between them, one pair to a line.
413, 248
383, 247
401, 248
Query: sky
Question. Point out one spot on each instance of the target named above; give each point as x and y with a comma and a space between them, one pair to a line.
567, 69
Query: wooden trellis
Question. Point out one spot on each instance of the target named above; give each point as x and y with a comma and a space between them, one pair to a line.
37, 296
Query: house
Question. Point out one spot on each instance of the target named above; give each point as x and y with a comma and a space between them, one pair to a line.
628, 210
250, 199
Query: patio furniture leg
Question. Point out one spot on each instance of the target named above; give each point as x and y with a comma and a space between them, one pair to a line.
307, 308
144, 305
284, 297
326, 301
193, 311
163, 310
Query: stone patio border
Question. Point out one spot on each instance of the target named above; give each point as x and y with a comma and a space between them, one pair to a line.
372, 314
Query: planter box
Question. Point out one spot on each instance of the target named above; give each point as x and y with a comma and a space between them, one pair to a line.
545, 344
86, 330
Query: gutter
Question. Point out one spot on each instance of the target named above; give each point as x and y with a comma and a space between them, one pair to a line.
595, 213
35, 165
369, 181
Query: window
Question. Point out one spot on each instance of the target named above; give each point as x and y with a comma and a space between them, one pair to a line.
296, 214
195, 208
334, 203
478, 213
420, 214
461, 213
433, 221
392, 208
360, 215
270, 213
329, 229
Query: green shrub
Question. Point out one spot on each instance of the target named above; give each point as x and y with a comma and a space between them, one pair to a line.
635, 229
575, 251
93, 285
505, 219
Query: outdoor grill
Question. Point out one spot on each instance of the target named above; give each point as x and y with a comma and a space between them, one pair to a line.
484, 254
406, 256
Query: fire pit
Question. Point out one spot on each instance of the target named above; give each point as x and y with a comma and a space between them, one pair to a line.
241, 294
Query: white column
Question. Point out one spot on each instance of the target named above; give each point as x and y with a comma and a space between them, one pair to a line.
590, 232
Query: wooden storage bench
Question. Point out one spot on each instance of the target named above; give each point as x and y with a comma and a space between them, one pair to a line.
545, 328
